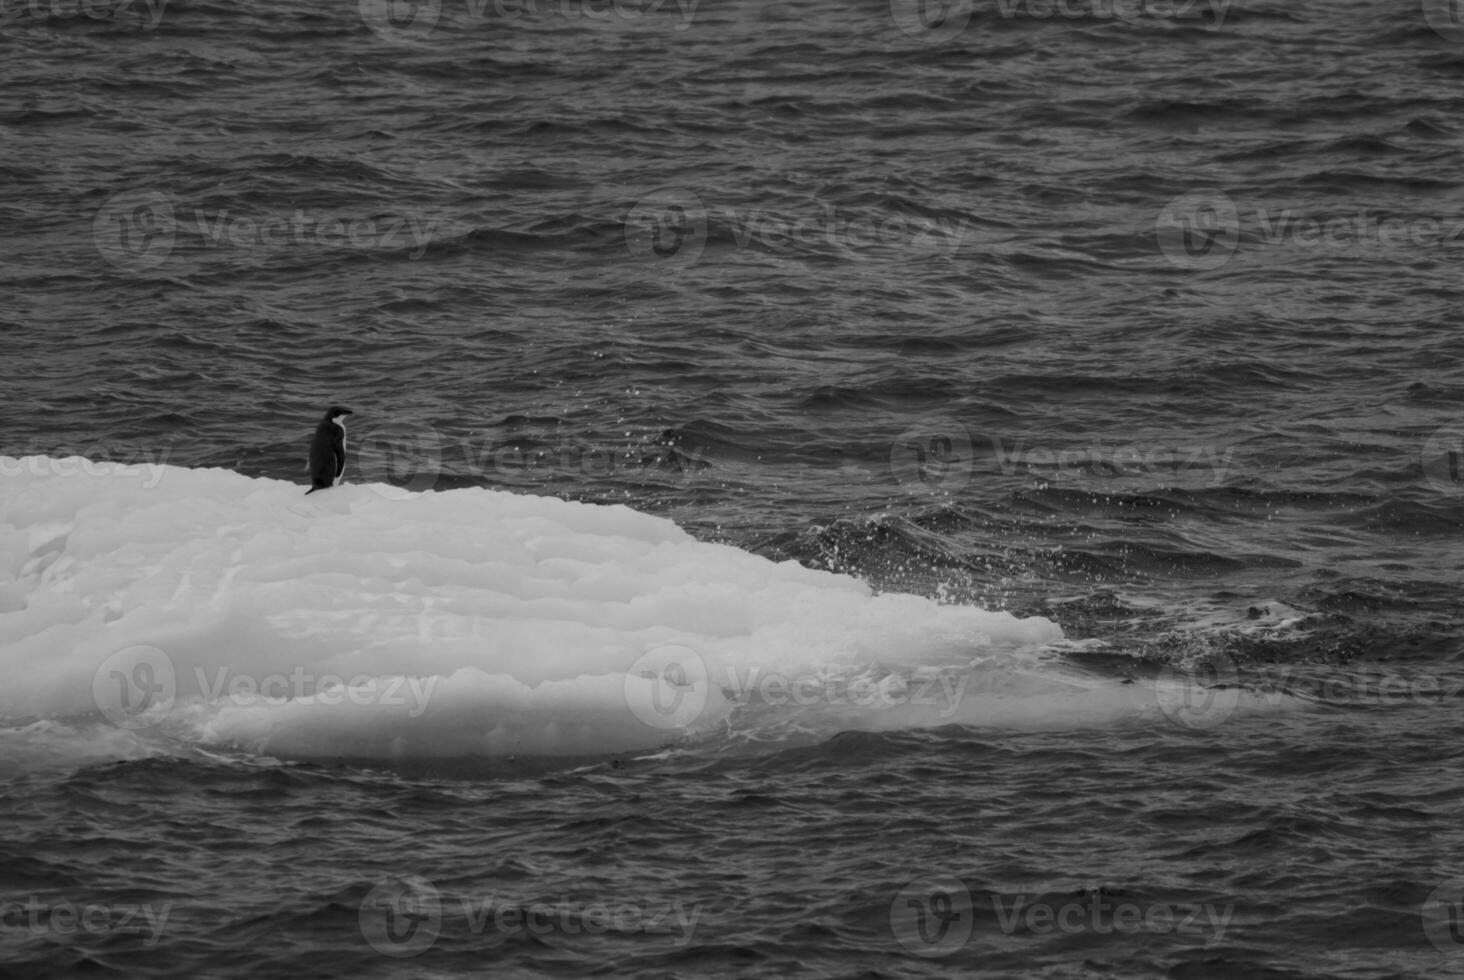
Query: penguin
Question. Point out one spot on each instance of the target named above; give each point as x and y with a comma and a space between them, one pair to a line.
328, 450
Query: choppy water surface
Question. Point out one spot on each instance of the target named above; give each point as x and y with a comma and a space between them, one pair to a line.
1142, 318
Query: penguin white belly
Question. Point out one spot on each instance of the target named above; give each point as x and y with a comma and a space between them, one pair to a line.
340, 476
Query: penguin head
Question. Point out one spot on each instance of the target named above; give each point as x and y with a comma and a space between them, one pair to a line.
335, 412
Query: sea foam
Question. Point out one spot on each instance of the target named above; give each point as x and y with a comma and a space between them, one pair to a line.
204, 606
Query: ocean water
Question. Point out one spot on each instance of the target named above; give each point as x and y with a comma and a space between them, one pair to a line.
835, 489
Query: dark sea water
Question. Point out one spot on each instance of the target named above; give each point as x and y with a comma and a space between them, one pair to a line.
1137, 315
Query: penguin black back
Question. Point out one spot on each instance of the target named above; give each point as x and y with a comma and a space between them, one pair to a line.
328, 450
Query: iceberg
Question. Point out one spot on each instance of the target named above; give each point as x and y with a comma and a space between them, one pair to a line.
166, 604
